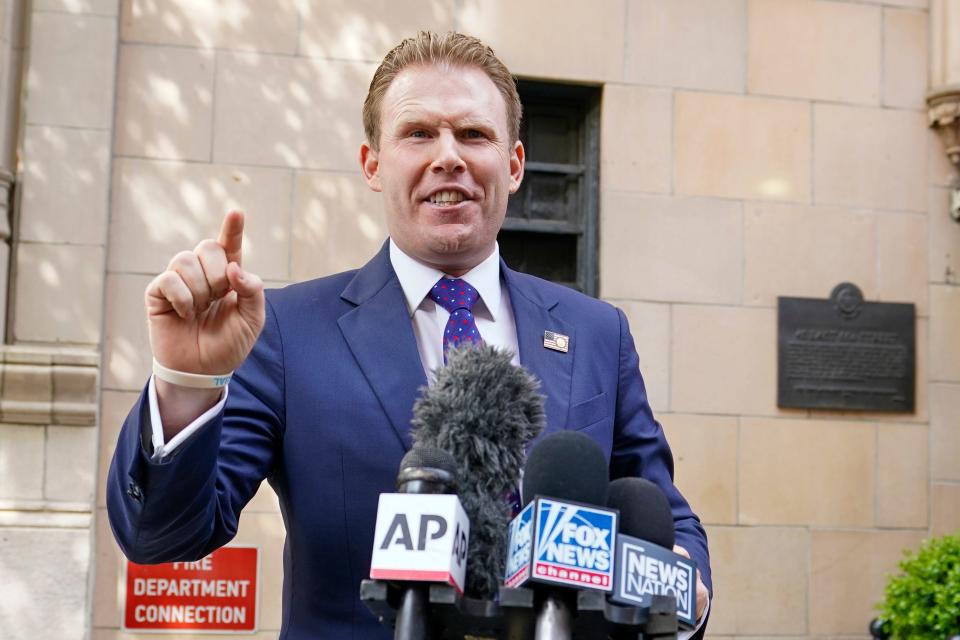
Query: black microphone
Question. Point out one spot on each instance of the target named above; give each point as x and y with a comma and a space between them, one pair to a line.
561, 541
484, 410
644, 510
427, 470
421, 536
645, 562
567, 465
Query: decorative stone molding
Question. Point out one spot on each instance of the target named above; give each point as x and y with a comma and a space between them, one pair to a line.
943, 100
943, 113
43, 514
48, 385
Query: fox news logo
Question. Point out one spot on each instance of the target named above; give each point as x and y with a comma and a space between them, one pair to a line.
574, 545
518, 550
644, 575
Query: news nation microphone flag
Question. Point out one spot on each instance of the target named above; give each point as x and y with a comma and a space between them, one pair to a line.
644, 569
646, 566
562, 543
420, 538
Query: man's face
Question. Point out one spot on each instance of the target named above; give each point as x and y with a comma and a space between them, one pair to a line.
445, 164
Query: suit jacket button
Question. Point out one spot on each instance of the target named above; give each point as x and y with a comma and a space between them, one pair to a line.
133, 490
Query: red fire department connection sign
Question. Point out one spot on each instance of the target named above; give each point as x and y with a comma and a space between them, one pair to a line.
218, 593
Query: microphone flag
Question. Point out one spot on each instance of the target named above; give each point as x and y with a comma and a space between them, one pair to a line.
562, 543
644, 569
420, 538
519, 548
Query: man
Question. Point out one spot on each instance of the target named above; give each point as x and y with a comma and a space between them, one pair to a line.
327, 371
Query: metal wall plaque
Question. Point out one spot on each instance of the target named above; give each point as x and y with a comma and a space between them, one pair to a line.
844, 353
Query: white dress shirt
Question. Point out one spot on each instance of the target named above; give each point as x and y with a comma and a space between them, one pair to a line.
492, 312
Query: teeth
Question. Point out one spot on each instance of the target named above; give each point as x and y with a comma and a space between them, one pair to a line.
446, 197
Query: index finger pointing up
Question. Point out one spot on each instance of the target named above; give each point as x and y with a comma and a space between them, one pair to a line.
231, 235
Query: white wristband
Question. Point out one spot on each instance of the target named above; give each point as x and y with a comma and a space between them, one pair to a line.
193, 380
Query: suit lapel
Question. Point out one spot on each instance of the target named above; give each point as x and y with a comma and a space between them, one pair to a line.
380, 335
532, 313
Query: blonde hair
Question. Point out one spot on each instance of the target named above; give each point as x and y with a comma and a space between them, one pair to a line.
451, 48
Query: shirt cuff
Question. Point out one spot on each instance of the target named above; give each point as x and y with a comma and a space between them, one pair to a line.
162, 449
686, 635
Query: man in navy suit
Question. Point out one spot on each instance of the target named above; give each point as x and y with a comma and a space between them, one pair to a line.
327, 371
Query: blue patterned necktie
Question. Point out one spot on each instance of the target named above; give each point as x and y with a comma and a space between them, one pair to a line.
457, 297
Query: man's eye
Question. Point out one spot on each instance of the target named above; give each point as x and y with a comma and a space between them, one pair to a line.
473, 133
418, 133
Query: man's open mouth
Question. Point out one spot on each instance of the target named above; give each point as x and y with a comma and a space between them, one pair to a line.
446, 198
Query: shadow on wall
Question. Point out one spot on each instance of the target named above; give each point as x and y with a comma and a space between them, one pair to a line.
274, 130
255, 106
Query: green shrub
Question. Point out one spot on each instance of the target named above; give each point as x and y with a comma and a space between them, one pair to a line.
924, 600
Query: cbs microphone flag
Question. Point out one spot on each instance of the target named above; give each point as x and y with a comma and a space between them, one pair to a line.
420, 537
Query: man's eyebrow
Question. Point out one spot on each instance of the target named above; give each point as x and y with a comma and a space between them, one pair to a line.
477, 123
411, 120
417, 118
410, 113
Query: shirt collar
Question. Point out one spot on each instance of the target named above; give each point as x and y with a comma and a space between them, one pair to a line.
416, 279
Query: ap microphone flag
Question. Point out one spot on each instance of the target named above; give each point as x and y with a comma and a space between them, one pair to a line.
562, 543
420, 538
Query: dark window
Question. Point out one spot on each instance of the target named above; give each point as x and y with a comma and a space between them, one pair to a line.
551, 225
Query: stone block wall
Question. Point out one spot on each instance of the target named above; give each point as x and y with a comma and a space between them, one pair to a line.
797, 159
48, 441
56, 123
750, 149
944, 270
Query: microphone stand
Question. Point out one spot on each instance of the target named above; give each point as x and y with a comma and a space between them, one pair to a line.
521, 614
554, 621
412, 614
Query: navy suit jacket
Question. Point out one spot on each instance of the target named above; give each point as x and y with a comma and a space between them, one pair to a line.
321, 409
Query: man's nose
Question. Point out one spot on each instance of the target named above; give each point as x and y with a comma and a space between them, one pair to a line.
448, 158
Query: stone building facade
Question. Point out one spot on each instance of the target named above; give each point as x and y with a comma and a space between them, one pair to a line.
749, 149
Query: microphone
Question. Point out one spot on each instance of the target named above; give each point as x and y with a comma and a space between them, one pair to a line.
484, 410
566, 465
645, 562
561, 540
421, 536
427, 470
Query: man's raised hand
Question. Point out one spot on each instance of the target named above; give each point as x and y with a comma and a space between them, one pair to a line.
205, 312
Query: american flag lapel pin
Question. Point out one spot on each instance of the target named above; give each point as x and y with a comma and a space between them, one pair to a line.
556, 341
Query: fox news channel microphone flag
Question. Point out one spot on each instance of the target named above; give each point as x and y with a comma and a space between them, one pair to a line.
562, 543
420, 538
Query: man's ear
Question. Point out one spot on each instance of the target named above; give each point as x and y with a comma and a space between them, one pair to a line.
517, 160
370, 166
